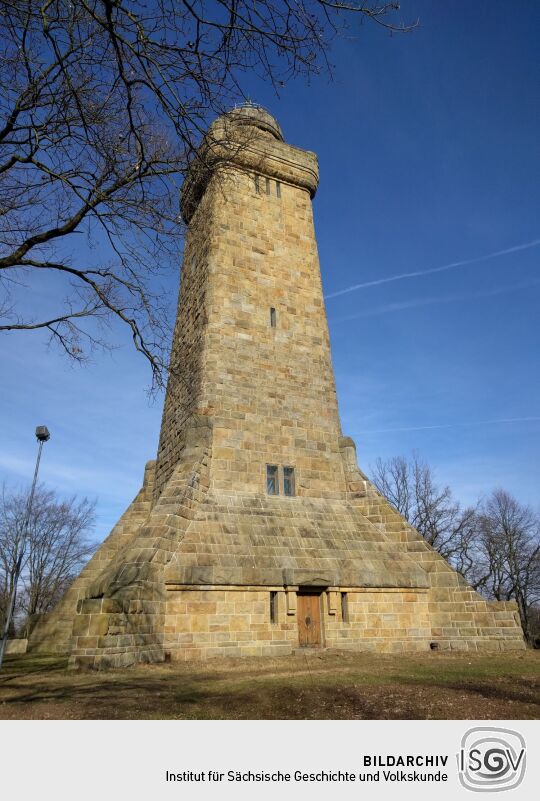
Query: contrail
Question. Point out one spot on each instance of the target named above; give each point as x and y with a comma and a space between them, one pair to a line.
455, 425
416, 302
443, 268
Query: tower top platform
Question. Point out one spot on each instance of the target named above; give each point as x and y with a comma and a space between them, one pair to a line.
255, 116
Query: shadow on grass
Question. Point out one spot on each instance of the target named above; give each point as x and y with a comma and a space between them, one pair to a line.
300, 700
504, 687
528, 693
15, 667
291, 690
96, 697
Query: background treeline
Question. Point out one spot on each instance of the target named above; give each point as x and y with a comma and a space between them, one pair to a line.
56, 545
494, 544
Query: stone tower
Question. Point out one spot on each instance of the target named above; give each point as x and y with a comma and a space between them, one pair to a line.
255, 532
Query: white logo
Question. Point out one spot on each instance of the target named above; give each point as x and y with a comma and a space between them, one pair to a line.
491, 759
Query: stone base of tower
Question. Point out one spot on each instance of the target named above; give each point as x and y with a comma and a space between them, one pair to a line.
235, 622
215, 622
200, 624
52, 632
201, 573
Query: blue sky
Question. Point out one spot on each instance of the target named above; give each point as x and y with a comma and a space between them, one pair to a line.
429, 155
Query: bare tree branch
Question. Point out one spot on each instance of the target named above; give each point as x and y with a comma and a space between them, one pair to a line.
103, 104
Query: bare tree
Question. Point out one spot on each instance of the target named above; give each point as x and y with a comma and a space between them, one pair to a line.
508, 554
409, 485
55, 545
494, 545
12, 541
102, 105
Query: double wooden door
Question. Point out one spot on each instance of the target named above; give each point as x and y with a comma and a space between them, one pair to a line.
309, 620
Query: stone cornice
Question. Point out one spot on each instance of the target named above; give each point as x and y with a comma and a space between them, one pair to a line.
254, 153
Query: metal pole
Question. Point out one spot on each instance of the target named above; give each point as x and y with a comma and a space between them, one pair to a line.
18, 564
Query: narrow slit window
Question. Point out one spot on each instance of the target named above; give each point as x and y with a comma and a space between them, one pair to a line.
272, 486
268, 186
257, 187
344, 607
273, 607
288, 481
278, 189
272, 317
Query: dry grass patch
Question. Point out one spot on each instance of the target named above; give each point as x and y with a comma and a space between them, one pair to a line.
311, 685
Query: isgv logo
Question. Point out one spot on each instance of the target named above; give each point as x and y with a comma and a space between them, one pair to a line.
491, 759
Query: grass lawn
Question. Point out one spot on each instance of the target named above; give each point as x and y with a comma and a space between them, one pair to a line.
310, 685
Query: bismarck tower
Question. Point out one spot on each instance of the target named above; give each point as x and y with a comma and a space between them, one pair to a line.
255, 532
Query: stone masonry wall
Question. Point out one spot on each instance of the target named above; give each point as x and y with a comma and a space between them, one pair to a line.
214, 622
201, 624
270, 390
378, 620
120, 620
52, 632
187, 363
460, 618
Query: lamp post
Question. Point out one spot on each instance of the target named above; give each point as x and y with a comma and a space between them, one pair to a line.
42, 435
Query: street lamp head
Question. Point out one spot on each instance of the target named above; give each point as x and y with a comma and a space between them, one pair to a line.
42, 433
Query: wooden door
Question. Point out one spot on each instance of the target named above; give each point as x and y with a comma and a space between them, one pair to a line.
309, 620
